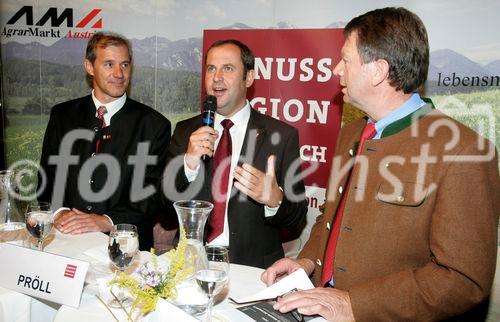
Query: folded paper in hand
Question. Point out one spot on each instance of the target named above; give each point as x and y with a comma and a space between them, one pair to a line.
297, 280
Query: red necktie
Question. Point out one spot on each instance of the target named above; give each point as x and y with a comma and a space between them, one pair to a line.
368, 133
100, 115
221, 169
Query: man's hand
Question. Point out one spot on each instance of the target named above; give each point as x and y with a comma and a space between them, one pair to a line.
330, 303
261, 187
77, 222
201, 142
284, 267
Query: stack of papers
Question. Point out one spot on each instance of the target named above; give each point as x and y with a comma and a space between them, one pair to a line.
297, 280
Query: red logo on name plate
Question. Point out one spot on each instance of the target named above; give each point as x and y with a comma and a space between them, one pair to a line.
70, 271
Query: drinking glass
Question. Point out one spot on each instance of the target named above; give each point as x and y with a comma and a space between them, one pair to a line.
214, 279
39, 220
218, 258
122, 248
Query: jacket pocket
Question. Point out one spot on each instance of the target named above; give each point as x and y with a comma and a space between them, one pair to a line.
402, 193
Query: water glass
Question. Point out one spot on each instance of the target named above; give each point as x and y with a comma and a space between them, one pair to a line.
122, 248
39, 220
214, 279
218, 259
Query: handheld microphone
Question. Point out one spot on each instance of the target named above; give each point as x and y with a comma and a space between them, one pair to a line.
209, 108
208, 114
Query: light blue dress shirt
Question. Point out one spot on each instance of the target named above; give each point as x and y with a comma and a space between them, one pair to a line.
408, 107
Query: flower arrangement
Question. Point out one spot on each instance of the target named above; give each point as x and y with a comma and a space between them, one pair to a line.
152, 281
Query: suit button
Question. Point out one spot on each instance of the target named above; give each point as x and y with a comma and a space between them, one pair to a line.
318, 262
89, 208
328, 225
351, 152
96, 129
341, 189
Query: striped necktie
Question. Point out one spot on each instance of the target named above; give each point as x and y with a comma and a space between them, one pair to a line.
100, 115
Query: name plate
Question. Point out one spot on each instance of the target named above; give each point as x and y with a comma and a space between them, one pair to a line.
43, 275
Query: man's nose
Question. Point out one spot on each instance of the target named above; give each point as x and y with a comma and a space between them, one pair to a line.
118, 72
218, 75
339, 69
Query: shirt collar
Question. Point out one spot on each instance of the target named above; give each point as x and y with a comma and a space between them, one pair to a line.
111, 107
240, 119
408, 107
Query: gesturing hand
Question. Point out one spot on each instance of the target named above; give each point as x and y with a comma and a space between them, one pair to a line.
261, 187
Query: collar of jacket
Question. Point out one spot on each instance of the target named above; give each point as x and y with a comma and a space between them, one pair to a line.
409, 119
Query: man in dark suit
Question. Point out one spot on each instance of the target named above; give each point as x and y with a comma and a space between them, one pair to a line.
102, 153
251, 150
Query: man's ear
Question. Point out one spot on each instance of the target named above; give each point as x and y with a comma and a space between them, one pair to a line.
250, 78
89, 67
380, 71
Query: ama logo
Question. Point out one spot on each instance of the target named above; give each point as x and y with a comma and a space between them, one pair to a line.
54, 20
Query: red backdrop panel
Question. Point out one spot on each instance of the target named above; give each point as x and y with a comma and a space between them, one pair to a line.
294, 83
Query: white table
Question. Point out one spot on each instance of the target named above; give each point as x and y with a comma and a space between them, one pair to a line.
16, 307
243, 279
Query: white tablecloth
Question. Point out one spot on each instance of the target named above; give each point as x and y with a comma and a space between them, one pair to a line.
91, 247
16, 307
243, 279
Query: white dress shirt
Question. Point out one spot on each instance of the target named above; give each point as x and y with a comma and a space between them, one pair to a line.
112, 107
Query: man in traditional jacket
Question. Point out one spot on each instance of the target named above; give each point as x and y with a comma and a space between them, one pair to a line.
120, 153
409, 230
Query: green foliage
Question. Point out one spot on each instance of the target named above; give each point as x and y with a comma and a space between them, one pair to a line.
15, 104
479, 111
47, 83
23, 141
178, 91
23, 138
146, 295
39, 85
36, 105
